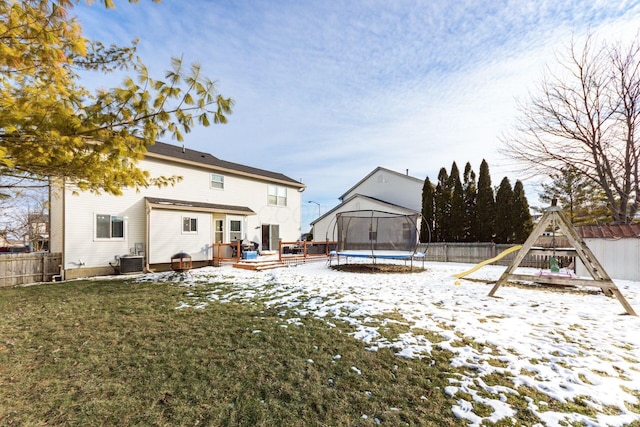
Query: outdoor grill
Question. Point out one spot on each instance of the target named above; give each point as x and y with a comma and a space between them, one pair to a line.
181, 262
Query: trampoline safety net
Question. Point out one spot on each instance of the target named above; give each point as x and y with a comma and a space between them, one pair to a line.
376, 231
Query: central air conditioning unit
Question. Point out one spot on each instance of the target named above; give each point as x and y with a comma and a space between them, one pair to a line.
131, 264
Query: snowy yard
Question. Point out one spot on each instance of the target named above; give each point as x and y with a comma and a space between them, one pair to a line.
567, 345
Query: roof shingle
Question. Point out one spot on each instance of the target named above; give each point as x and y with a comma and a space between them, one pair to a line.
193, 156
610, 231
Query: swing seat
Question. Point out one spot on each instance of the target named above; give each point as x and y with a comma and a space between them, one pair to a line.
550, 273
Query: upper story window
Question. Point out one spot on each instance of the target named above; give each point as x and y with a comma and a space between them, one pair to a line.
277, 195
216, 181
109, 227
189, 225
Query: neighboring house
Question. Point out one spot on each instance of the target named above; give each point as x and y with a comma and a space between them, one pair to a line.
37, 236
11, 245
383, 190
216, 202
616, 246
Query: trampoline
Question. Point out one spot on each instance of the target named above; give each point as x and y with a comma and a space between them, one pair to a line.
377, 235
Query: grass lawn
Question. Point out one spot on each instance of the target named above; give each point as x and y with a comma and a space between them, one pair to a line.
118, 352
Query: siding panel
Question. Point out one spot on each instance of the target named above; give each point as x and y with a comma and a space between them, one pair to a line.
620, 258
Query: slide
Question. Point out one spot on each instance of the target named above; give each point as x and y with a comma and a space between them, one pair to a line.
489, 261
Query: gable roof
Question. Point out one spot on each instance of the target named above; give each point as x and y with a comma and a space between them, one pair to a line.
161, 150
362, 196
380, 168
610, 231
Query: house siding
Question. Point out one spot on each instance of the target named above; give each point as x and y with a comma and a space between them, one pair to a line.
168, 240
620, 258
56, 217
391, 187
326, 229
392, 191
73, 217
82, 249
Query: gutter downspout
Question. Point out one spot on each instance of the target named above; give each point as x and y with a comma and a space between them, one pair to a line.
147, 238
64, 227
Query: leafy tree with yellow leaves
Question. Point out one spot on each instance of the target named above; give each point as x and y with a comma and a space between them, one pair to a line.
53, 127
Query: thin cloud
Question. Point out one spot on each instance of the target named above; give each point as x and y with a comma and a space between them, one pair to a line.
328, 91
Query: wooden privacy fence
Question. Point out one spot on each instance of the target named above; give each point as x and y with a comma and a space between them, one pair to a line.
22, 269
466, 253
473, 253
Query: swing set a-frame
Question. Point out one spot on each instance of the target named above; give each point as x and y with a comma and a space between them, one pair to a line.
555, 218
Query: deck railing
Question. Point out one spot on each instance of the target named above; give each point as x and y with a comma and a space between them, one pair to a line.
226, 252
288, 252
304, 250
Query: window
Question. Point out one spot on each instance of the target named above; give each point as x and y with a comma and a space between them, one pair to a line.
217, 181
109, 227
189, 225
235, 230
277, 195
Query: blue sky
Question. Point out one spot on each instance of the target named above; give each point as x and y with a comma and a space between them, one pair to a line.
326, 91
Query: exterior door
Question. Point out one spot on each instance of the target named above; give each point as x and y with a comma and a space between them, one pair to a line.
219, 231
270, 237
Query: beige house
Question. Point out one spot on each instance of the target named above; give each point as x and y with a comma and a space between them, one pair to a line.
383, 190
216, 202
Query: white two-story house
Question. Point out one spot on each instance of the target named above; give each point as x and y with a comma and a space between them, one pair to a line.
215, 202
382, 190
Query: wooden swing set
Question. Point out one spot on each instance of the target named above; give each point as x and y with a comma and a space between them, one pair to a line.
555, 218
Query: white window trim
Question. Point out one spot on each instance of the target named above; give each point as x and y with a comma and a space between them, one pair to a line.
109, 239
211, 181
233, 232
190, 218
279, 191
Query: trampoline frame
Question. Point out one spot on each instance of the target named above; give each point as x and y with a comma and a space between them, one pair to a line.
375, 254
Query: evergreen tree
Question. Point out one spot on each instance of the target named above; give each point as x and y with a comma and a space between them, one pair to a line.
485, 205
457, 218
426, 226
470, 191
442, 211
504, 220
522, 222
583, 202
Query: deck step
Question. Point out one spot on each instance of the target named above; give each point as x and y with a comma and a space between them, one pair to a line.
259, 265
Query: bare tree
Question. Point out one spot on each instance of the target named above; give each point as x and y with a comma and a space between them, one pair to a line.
24, 210
584, 116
